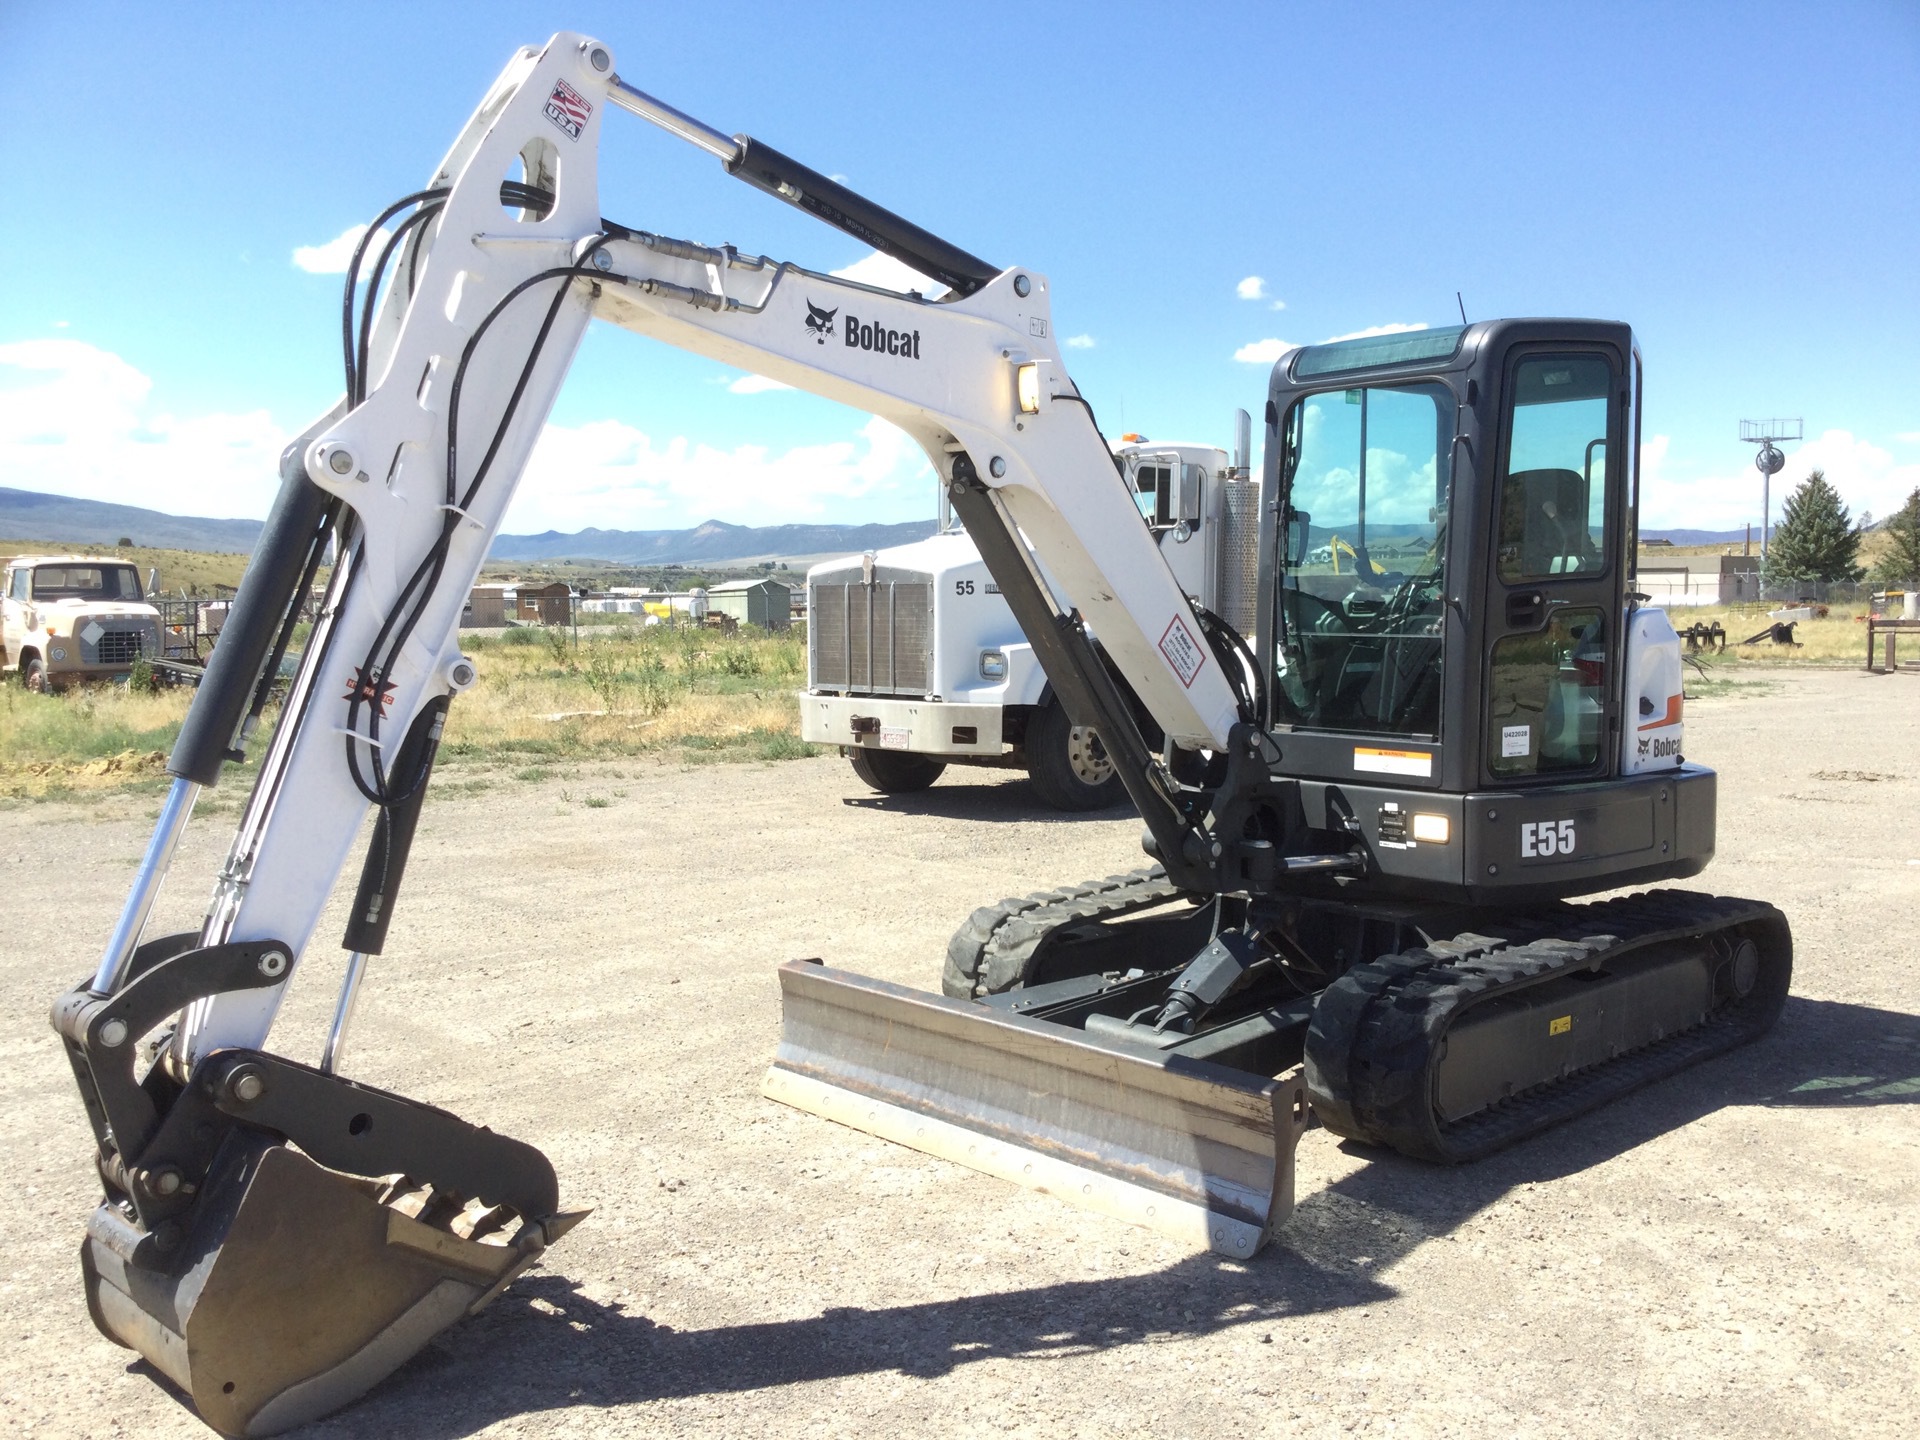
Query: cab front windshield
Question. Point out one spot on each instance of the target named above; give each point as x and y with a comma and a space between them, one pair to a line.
86, 582
1364, 475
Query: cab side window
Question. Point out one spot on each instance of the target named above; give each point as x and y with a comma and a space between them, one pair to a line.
17, 584
1553, 502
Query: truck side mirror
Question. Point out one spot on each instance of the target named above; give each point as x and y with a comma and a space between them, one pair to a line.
1298, 522
1189, 494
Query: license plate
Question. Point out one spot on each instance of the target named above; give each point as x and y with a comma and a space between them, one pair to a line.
895, 739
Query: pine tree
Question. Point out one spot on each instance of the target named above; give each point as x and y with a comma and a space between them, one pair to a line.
1900, 565
1815, 539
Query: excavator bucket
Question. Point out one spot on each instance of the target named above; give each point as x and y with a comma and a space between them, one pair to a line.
1195, 1151
277, 1239
300, 1297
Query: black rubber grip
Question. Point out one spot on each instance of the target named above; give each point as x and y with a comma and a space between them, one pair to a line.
783, 176
272, 583
393, 830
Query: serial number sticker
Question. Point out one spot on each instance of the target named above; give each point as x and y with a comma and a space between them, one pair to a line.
1183, 652
1560, 1026
1515, 740
1394, 762
895, 738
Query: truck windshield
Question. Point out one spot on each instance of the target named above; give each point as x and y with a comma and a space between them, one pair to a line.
86, 582
1364, 474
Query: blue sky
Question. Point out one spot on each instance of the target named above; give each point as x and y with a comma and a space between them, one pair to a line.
1741, 182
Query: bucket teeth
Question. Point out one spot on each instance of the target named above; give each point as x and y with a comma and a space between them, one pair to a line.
303, 1293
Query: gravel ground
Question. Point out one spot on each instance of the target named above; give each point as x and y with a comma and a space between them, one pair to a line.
1731, 1252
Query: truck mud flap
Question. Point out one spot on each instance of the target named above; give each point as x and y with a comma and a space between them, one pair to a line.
1199, 1153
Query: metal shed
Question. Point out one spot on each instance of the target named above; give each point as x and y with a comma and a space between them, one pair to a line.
767, 603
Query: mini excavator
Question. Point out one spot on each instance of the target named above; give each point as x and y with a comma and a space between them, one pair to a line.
1370, 812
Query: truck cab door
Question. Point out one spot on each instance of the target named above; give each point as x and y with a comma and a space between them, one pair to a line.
13, 618
1555, 585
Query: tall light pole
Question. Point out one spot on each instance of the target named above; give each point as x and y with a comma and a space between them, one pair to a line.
1769, 462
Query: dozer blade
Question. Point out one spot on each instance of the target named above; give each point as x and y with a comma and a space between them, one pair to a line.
1200, 1153
297, 1299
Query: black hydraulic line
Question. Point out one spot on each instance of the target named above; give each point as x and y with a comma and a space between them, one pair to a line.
1079, 676
787, 179
274, 583
393, 828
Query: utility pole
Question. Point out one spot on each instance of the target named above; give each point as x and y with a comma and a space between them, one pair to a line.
1769, 462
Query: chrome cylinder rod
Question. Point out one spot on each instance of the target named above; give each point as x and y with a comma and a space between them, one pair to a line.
147, 881
676, 122
336, 1047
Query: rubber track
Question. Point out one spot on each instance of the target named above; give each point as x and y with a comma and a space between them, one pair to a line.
1376, 1031
994, 948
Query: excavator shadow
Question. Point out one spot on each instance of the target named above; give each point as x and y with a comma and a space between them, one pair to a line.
993, 801
545, 1346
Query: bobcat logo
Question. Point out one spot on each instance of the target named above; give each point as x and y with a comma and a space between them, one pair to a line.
820, 322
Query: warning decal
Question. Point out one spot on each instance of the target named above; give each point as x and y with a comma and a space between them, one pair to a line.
1183, 652
1394, 762
568, 108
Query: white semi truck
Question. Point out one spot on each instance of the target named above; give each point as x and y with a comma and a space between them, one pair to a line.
915, 662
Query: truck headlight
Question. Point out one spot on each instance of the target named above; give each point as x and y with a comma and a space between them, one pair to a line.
993, 665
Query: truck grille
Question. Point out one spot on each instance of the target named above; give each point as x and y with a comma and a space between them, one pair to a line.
871, 639
119, 647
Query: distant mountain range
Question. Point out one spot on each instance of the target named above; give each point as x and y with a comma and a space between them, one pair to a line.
29, 515
715, 540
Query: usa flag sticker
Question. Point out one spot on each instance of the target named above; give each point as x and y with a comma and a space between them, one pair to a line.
568, 108
1183, 652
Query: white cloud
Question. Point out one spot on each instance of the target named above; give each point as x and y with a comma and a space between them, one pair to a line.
757, 385
78, 420
1866, 476
1278, 305
888, 273
1080, 342
1251, 288
333, 257
1372, 330
1262, 352
1911, 437
609, 474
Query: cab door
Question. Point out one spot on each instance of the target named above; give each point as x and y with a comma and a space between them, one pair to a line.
1554, 585
13, 620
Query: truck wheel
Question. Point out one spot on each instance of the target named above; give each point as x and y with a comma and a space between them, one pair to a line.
33, 675
895, 772
1068, 765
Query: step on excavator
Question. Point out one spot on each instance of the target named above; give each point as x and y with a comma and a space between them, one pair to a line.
1369, 820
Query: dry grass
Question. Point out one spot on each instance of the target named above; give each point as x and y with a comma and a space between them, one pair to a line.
691, 695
